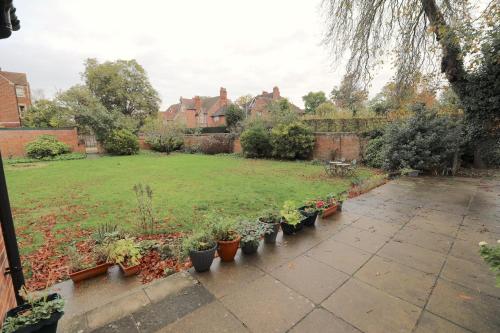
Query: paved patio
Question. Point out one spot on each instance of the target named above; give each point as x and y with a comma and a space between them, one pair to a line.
402, 258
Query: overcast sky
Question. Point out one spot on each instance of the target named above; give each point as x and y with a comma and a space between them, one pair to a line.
188, 48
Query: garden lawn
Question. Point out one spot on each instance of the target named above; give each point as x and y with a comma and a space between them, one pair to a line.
64, 196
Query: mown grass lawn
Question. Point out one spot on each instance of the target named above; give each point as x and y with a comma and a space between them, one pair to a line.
85, 193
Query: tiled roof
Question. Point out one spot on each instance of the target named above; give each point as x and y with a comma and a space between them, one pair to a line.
16, 78
220, 112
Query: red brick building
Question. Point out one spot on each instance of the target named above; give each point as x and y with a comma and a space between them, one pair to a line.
199, 111
259, 105
15, 98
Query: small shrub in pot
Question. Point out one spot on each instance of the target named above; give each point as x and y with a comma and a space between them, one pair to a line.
82, 268
251, 232
200, 247
226, 235
272, 219
126, 252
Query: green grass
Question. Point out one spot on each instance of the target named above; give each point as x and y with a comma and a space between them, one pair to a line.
92, 191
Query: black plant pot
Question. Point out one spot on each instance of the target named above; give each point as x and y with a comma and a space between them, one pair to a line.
249, 247
45, 326
290, 229
202, 260
270, 238
310, 218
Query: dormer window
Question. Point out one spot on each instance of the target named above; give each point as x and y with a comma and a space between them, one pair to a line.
20, 91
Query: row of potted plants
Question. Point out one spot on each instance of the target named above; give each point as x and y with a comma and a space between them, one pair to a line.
109, 247
225, 237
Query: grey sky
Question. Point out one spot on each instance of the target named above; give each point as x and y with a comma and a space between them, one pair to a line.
187, 47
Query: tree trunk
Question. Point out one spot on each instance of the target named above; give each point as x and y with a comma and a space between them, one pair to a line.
451, 62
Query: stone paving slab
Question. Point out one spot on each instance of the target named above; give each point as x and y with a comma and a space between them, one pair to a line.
430, 323
372, 310
465, 307
321, 320
365, 240
397, 280
267, 305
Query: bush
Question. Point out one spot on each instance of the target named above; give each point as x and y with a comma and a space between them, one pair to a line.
46, 146
121, 142
374, 154
293, 141
216, 144
164, 137
256, 142
234, 115
425, 141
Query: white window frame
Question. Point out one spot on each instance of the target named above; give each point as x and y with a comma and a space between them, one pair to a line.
20, 91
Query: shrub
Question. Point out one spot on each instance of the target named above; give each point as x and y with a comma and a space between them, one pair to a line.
164, 137
200, 241
121, 142
256, 142
216, 144
491, 255
46, 146
425, 141
293, 141
374, 154
234, 115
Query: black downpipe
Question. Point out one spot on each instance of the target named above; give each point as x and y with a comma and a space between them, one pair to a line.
9, 237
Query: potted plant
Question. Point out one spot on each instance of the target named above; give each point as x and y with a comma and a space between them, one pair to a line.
38, 314
340, 200
227, 238
251, 232
329, 206
81, 269
310, 211
271, 219
127, 254
200, 247
290, 218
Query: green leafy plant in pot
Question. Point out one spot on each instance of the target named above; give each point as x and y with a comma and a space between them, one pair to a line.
340, 200
226, 235
271, 218
291, 219
126, 253
200, 247
310, 211
251, 232
40, 313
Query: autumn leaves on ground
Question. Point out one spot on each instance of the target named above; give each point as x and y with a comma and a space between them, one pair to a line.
59, 203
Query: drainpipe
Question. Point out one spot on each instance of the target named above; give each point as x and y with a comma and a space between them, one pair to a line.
15, 268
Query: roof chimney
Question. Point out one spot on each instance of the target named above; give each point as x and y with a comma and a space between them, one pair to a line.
223, 94
276, 93
197, 103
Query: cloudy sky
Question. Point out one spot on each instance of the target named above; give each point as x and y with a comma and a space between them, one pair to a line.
188, 48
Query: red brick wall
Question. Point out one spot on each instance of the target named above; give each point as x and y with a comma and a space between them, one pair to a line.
329, 146
13, 141
7, 297
9, 112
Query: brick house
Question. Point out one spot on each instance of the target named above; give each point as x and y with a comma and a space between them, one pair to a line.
15, 98
259, 105
199, 111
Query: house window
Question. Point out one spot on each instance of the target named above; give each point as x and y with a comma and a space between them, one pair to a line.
216, 119
20, 91
22, 108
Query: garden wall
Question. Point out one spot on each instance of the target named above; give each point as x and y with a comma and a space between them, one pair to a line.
14, 140
7, 297
329, 146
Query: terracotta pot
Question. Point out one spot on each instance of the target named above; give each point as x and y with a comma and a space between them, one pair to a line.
329, 211
48, 325
227, 249
90, 272
131, 270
